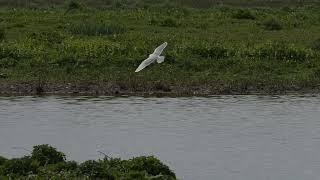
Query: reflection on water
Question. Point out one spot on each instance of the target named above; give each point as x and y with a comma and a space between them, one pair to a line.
221, 137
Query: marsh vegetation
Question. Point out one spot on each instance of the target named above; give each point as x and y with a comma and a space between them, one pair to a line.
226, 48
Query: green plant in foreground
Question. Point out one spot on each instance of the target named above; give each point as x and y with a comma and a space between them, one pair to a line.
48, 163
20, 166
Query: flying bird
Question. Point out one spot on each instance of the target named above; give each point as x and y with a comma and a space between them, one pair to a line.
155, 56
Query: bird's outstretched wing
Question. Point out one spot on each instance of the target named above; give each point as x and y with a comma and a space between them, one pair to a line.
160, 48
145, 63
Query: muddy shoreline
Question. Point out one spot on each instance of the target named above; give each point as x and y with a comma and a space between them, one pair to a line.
106, 88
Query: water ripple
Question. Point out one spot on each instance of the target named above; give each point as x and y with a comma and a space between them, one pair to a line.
220, 137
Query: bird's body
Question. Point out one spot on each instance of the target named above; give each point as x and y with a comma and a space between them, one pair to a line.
155, 56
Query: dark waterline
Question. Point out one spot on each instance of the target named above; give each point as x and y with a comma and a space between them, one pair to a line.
221, 137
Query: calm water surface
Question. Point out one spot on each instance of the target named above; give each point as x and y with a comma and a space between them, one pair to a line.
223, 137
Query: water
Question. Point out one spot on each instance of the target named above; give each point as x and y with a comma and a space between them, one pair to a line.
223, 137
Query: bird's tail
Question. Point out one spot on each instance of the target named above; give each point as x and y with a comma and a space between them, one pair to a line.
160, 59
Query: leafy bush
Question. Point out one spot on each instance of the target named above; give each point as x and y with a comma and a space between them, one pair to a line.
272, 24
95, 29
20, 166
48, 163
243, 14
150, 164
141, 175
46, 154
62, 166
2, 160
94, 169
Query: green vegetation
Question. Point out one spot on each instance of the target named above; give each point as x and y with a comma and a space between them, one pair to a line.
222, 49
316, 44
94, 29
272, 24
244, 14
74, 4
46, 162
2, 34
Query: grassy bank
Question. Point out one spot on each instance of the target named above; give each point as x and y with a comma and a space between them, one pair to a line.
45, 162
220, 50
155, 3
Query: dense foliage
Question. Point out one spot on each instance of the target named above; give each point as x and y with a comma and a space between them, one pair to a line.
46, 162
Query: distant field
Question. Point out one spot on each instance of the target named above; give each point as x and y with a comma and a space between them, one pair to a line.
218, 50
143, 3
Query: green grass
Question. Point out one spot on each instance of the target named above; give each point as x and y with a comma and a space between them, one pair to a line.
148, 3
233, 47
